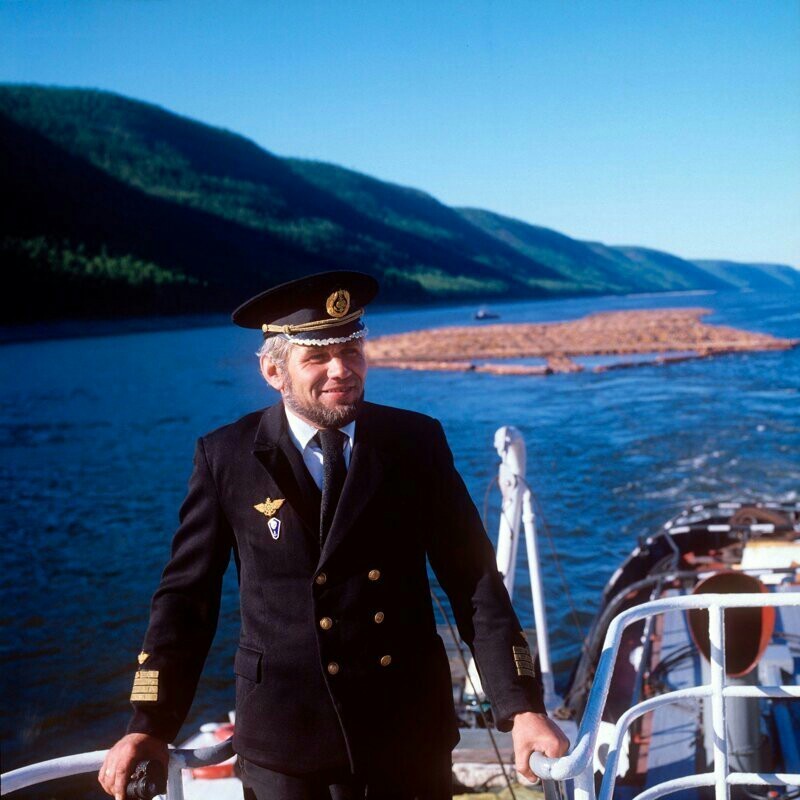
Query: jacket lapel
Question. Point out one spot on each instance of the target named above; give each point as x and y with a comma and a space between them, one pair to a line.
364, 477
276, 451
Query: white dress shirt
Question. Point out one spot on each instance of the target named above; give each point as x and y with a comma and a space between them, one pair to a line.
302, 434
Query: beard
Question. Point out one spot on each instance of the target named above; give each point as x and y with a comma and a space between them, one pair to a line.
318, 414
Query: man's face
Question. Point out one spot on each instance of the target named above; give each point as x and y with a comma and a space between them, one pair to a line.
322, 384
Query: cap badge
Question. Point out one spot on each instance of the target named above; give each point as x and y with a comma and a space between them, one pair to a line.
269, 507
338, 304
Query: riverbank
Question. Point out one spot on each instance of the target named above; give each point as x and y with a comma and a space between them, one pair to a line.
119, 326
668, 335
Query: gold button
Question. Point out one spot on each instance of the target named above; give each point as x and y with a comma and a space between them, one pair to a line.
379, 617
374, 574
326, 623
385, 661
333, 668
320, 579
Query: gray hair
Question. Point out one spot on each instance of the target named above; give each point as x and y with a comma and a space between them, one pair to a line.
276, 348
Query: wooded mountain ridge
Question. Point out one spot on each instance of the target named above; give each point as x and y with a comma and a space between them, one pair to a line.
119, 207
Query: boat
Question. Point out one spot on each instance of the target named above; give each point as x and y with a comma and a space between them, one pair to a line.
687, 677
484, 313
686, 684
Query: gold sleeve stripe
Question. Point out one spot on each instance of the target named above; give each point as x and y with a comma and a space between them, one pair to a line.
524, 672
144, 697
517, 649
145, 686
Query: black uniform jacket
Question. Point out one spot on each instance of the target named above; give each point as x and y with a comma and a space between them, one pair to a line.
339, 659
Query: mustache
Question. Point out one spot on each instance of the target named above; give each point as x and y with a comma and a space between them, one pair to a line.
339, 386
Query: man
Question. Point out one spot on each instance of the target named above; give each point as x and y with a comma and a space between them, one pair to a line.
330, 506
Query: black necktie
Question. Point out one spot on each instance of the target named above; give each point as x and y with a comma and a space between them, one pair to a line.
333, 474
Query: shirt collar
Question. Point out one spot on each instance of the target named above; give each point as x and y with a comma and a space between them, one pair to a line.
303, 432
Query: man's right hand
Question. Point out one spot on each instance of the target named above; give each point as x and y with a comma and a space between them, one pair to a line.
123, 757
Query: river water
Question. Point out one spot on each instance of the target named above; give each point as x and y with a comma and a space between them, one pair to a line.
97, 436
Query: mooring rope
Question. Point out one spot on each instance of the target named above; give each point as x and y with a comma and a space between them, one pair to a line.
457, 643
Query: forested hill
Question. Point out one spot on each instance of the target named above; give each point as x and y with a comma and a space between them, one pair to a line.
119, 207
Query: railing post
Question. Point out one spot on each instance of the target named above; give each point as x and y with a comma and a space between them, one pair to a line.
584, 784
510, 447
716, 635
175, 783
174, 778
539, 610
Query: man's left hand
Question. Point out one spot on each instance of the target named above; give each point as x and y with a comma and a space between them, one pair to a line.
535, 733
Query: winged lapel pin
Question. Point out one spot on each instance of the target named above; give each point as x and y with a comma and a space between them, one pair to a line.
269, 507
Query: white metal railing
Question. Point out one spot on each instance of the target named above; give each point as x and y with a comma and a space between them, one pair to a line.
578, 764
516, 508
91, 762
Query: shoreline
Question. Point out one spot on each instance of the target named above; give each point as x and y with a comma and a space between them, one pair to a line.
89, 327
69, 329
58, 330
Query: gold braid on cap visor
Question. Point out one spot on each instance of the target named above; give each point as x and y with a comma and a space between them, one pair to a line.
315, 325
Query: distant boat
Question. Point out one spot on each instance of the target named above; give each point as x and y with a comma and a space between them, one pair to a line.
484, 313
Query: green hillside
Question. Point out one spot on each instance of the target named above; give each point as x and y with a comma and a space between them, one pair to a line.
84, 244
759, 277
672, 272
121, 207
208, 170
578, 262
419, 214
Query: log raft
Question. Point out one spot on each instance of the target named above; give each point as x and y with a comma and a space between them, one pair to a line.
669, 335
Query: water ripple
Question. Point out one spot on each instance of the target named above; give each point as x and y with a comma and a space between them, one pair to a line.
97, 438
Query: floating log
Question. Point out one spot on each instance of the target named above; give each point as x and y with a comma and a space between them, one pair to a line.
671, 334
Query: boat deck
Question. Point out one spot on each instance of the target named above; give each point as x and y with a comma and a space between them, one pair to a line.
672, 742
476, 743
669, 743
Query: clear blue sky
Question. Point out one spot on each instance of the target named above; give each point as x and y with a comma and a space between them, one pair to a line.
667, 123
